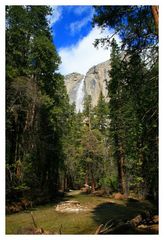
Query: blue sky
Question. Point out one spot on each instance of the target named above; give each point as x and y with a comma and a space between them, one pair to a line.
73, 36
74, 22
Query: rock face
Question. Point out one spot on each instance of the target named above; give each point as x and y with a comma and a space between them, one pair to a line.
71, 81
93, 83
75, 88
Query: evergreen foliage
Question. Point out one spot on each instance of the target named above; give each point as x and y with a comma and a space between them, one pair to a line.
37, 104
134, 24
133, 92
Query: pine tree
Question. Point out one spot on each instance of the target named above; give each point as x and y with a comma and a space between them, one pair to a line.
143, 130
135, 92
72, 171
116, 118
37, 103
134, 24
101, 115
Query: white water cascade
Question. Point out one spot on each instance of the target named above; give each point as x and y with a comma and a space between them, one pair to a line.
80, 96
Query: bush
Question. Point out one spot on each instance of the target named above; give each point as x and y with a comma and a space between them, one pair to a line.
109, 183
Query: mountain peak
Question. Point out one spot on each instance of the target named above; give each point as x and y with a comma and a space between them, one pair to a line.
93, 83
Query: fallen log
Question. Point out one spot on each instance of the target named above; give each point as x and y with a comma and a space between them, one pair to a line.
119, 227
135, 225
98, 230
136, 221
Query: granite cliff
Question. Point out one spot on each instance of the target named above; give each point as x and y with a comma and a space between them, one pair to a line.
93, 83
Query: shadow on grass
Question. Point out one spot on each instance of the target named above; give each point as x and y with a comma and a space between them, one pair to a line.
122, 211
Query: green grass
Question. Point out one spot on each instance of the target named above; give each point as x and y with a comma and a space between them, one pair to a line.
101, 210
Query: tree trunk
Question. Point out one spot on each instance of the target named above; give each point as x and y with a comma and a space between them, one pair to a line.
86, 179
155, 13
120, 166
65, 183
62, 182
121, 175
122, 171
93, 184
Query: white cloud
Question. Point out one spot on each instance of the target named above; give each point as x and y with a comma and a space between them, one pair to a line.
79, 10
56, 15
78, 25
83, 55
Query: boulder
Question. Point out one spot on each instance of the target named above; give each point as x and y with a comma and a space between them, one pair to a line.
119, 196
99, 193
70, 206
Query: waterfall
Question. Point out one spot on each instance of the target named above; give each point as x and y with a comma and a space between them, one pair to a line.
80, 96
